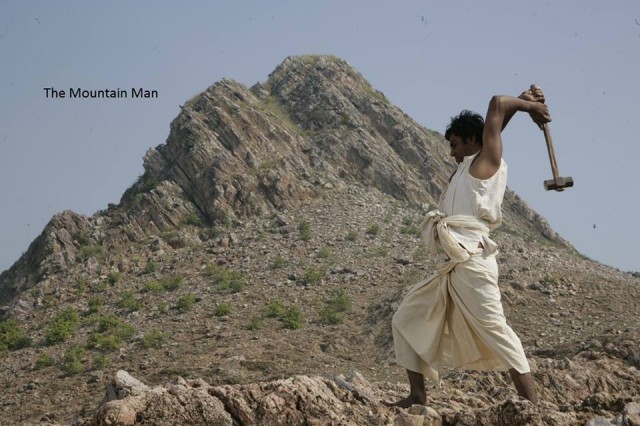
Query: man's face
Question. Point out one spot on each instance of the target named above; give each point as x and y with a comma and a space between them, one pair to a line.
457, 147
461, 148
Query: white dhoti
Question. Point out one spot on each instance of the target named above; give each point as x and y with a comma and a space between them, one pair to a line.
454, 318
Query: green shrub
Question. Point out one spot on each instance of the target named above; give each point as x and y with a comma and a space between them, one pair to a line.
275, 309
378, 252
82, 237
11, 337
81, 286
152, 287
185, 303
163, 307
329, 316
114, 325
86, 252
104, 342
113, 277
48, 301
235, 285
373, 229
228, 221
192, 220
101, 286
269, 164
100, 361
292, 319
255, 323
335, 308
111, 334
223, 309
224, 279
44, 360
171, 283
96, 304
153, 339
63, 326
143, 184
324, 253
352, 236
211, 233
72, 361
407, 221
312, 276
341, 301
304, 230
215, 271
148, 182
129, 302
389, 216
279, 262
150, 267
410, 230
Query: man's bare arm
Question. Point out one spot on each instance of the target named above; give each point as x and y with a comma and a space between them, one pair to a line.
534, 94
500, 111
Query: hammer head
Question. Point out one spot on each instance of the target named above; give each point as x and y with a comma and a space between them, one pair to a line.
558, 183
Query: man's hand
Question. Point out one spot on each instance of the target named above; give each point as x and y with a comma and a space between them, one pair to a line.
531, 96
538, 115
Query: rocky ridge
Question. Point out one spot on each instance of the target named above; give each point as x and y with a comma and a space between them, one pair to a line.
298, 190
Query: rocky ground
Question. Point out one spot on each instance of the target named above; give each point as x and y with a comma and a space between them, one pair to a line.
577, 319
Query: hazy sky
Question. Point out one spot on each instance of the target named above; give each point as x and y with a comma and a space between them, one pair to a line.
430, 58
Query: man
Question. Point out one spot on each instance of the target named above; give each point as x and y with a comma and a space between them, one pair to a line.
455, 318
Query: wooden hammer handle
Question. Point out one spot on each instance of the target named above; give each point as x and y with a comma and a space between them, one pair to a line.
547, 136
552, 154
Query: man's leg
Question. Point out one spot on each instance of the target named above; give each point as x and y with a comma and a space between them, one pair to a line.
524, 385
417, 395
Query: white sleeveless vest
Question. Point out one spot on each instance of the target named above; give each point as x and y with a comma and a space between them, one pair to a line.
482, 198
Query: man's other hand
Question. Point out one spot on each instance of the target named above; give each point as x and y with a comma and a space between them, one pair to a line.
535, 94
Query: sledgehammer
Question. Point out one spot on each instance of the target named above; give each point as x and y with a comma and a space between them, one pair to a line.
558, 183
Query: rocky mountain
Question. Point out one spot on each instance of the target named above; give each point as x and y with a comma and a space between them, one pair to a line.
270, 239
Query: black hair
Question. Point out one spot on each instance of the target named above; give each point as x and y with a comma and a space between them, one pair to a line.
466, 124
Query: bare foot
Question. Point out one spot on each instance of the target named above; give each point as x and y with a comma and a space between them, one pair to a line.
407, 402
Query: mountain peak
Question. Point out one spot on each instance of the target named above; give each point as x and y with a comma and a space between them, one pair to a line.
316, 67
313, 130
315, 122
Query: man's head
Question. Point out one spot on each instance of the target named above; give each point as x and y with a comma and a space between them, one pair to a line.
464, 134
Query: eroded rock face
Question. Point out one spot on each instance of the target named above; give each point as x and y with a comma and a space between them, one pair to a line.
297, 400
293, 401
316, 400
53, 250
162, 209
129, 401
316, 123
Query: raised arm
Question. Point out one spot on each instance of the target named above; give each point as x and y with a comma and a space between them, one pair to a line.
500, 111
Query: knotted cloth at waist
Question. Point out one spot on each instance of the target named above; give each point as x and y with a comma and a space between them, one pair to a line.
435, 233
